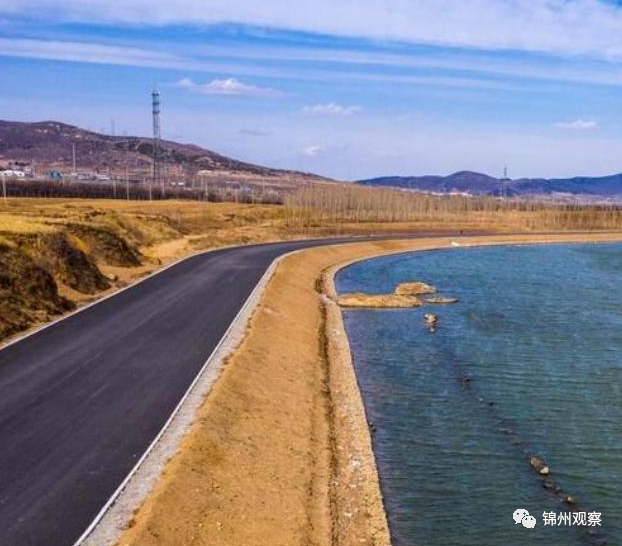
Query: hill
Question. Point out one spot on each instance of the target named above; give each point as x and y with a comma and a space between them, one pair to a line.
48, 144
606, 188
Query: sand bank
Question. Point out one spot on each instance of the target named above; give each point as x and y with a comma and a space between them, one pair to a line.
280, 453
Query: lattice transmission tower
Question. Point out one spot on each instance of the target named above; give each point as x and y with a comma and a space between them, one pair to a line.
157, 174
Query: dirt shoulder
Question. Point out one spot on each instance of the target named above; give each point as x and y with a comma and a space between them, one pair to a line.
280, 452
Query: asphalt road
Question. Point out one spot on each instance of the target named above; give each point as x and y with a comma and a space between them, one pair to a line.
82, 400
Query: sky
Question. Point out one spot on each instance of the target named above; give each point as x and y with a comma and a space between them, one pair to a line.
346, 88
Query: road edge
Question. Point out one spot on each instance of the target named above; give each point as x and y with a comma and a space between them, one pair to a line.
113, 518
359, 518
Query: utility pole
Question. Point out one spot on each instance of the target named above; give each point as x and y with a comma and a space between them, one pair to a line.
155, 111
73, 157
127, 184
4, 189
504, 183
165, 178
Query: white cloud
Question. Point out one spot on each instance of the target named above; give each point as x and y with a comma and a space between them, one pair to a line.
98, 53
561, 27
330, 109
577, 124
596, 73
254, 132
87, 52
229, 87
313, 151
538, 67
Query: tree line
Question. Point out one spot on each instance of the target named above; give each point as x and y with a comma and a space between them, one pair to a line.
131, 191
342, 204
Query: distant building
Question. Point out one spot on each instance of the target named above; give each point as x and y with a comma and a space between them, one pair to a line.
12, 173
90, 176
55, 175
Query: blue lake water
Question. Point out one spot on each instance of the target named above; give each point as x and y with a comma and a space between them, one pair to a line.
528, 362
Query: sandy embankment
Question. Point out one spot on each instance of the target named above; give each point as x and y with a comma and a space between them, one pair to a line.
280, 452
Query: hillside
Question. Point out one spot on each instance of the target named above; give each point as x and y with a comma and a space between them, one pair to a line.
460, 182
606, 188
49, 145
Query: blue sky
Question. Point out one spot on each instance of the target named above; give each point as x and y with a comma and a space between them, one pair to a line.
346, 88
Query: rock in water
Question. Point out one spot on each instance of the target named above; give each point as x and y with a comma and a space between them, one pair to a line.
414, 289
538, 464
430, 318
380, 301
430, 321
441, 300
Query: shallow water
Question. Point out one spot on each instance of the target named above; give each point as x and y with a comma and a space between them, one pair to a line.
529, 361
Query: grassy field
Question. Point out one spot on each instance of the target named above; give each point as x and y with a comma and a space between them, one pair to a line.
57, 254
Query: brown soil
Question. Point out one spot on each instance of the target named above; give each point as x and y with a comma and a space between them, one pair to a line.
28, 293
280, 452
103, 245
69, 265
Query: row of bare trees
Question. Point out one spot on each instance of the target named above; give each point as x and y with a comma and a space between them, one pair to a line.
315, 206
326, 205
131, 191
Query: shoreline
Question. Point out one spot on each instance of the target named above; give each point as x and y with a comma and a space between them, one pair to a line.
297, 465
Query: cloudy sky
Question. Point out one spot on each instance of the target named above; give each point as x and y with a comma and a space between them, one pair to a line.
346, 88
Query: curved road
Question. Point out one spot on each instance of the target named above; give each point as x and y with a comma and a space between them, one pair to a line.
81, 400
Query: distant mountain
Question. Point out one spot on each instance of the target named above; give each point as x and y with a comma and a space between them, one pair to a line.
463, 182
603, 186
49, 145
472, 183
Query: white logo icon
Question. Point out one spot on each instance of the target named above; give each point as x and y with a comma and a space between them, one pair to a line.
522, 516
529, 522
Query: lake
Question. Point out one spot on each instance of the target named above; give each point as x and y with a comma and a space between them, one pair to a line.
529, 362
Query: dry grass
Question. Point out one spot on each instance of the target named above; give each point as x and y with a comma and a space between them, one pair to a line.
86, 244
146, 223
78, 250
352, 205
